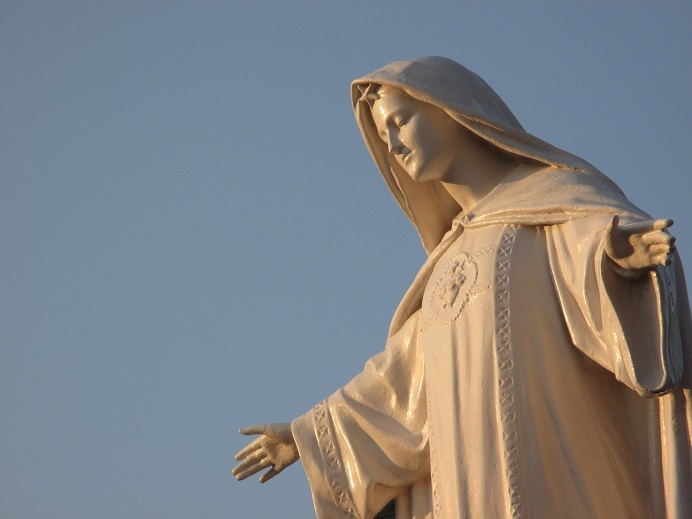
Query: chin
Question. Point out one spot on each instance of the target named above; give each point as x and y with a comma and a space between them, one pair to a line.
422, 175
414, 171
416, 176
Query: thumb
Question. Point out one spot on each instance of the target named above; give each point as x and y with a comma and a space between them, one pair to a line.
613, 224
253, 429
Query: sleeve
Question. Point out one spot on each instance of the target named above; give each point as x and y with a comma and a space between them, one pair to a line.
634, 327
641, 330
361, 446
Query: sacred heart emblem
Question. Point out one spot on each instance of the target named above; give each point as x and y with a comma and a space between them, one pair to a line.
453, 288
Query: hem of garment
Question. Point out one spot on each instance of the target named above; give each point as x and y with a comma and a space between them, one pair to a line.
321, 461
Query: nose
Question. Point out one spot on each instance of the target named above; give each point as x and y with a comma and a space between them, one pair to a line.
394, 145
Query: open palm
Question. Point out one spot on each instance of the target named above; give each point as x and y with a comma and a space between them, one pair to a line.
276, 448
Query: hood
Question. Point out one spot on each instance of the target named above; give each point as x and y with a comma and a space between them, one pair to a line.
571, 188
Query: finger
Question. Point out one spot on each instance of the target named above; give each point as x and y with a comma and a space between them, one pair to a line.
647, 226
663, 223
663, 259
249, 462
253, 429
268, 475
638, 227
656, 237
662, 248
249, 449
253, 470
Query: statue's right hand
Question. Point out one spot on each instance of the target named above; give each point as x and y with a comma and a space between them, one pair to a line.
276, 448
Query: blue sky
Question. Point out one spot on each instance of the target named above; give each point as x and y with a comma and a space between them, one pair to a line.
196, 239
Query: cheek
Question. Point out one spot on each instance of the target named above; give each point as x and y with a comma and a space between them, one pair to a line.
420, 140
409, 138
414, 164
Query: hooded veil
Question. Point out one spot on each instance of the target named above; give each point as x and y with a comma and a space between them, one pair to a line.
474, 104
375, 438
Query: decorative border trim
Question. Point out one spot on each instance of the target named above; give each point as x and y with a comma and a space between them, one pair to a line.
505, 366
332, 467
433, 459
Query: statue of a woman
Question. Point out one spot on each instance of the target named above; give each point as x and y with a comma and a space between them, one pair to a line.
540, 364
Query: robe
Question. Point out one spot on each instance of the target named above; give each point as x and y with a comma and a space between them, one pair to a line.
523, 376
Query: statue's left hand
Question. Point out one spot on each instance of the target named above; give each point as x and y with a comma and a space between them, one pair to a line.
276, 448
639, 246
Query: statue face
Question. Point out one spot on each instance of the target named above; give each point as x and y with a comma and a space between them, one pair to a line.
423, 139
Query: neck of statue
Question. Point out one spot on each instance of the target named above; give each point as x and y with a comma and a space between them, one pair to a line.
476, 173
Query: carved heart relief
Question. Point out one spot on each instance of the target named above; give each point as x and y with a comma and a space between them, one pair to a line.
453, 287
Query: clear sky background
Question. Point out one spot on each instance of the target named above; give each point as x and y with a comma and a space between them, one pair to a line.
194, 237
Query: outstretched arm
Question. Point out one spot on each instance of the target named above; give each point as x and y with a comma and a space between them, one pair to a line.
638, 247
276, 448
618, 297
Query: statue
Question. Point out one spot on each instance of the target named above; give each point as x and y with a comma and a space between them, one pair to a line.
540, 364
